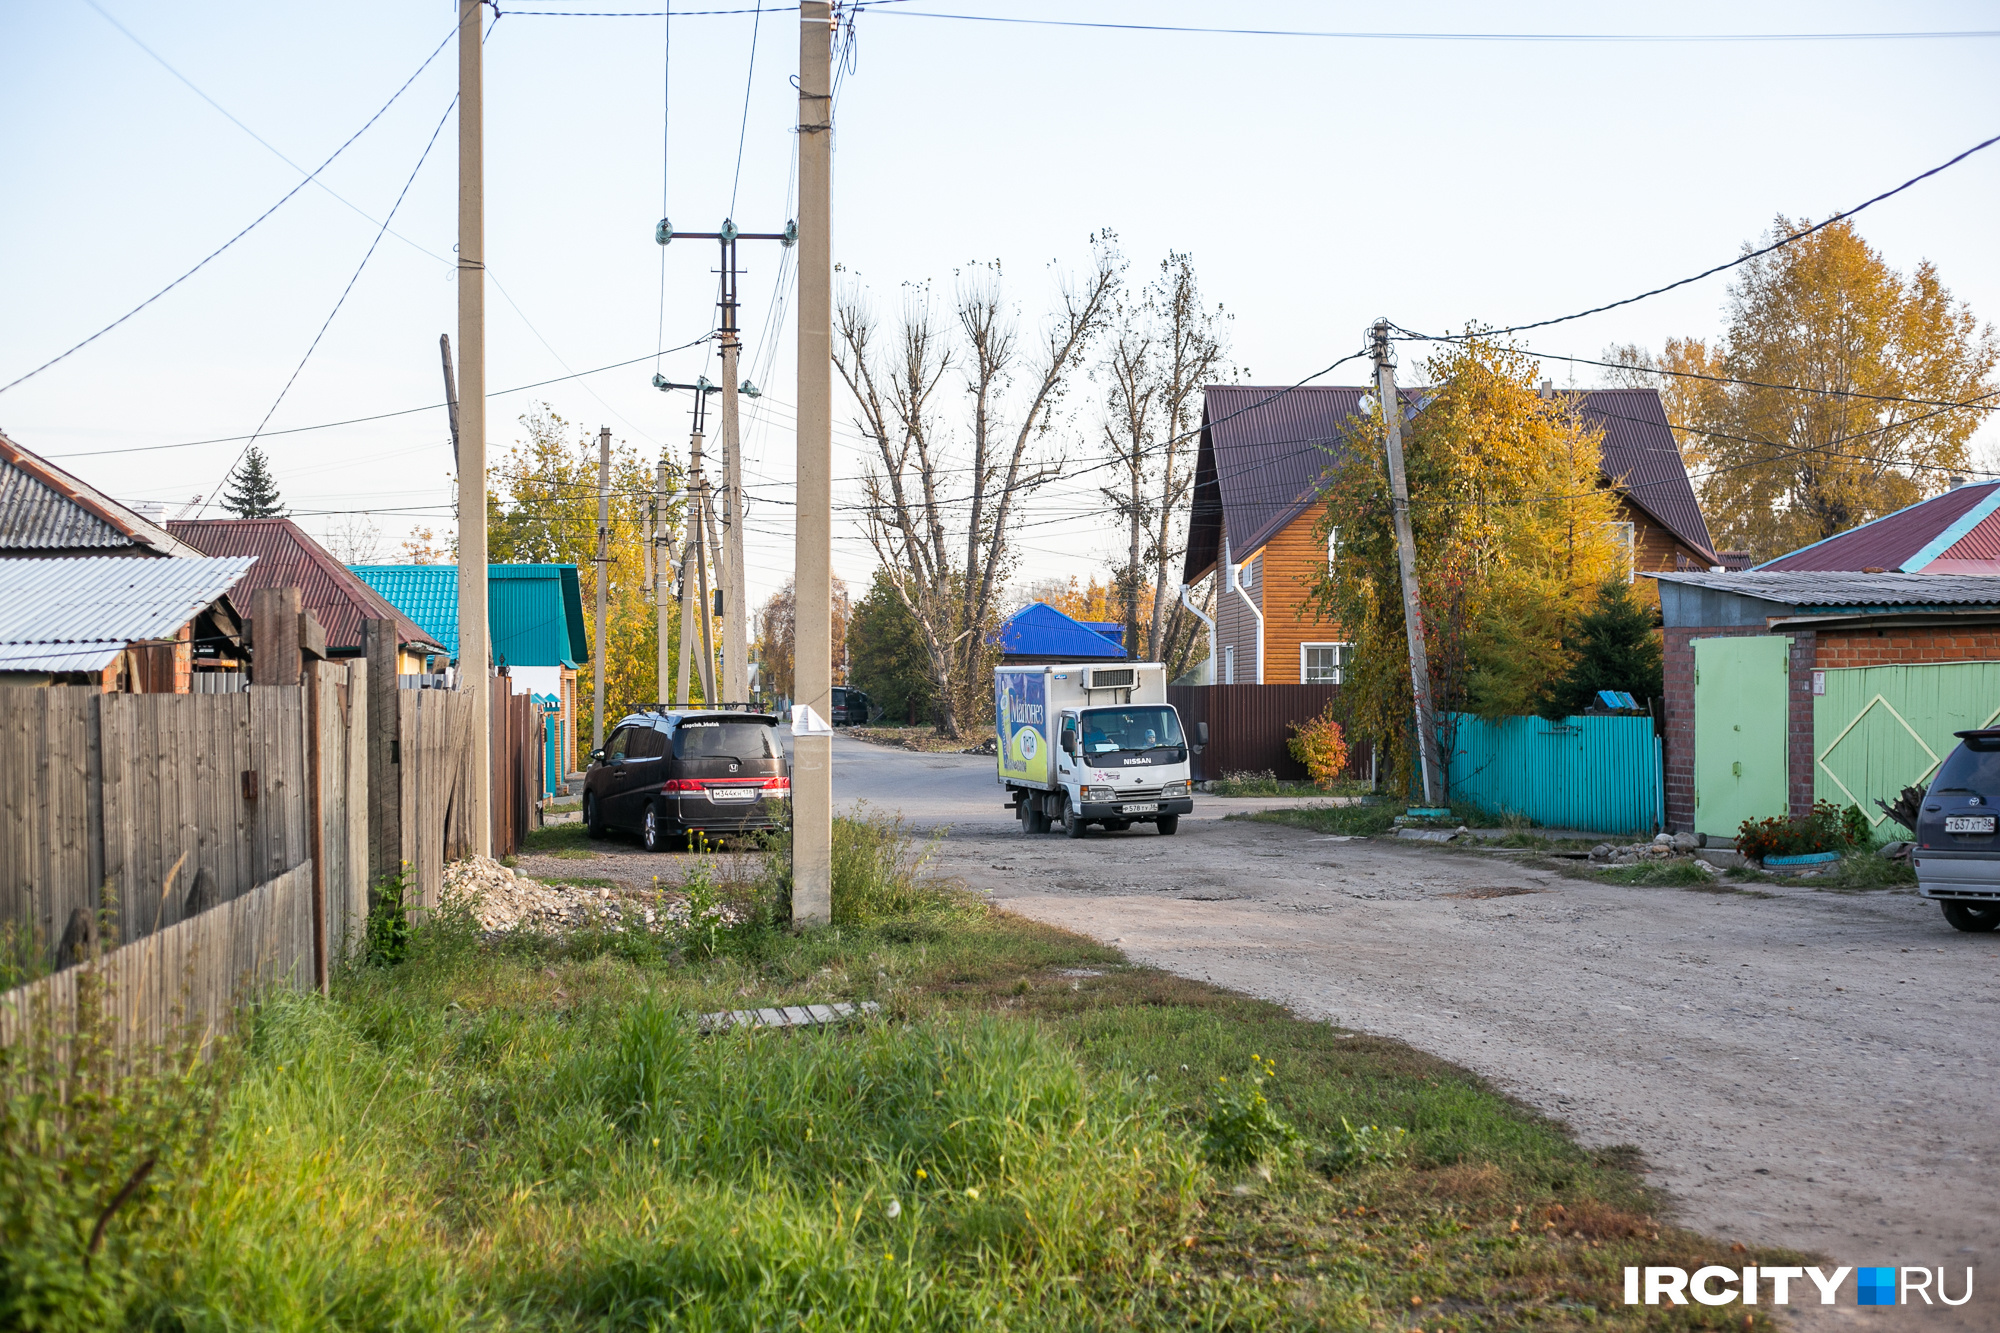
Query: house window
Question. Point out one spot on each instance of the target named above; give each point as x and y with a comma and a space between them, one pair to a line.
1332, 549
1627, 536
1229, 664
1322, 663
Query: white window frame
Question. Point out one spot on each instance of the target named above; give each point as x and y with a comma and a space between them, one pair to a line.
1629, 533
1332, 549
1229, 664
1340, 650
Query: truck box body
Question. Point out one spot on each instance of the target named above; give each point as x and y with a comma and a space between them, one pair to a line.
1089, 742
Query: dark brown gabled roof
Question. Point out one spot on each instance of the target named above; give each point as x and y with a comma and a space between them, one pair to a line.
1265, 452
288, 558
44, 511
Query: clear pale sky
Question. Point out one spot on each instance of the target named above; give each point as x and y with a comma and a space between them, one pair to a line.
1318, 183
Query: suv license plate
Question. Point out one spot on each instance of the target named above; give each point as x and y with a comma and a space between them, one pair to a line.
732, 793
1153, 808
1968, 823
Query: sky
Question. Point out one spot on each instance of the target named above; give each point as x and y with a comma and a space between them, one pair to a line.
1317, 182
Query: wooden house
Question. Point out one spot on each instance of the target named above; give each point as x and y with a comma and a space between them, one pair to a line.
46, 513
1257, 506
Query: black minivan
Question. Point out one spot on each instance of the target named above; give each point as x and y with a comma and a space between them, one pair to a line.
850, 707
666, 775
1957, 855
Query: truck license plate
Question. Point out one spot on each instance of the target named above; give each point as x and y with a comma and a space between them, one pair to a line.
1968, 823
1153, 808
732, 793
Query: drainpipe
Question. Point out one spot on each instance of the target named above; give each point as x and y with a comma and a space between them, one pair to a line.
1208, 621
1236, 586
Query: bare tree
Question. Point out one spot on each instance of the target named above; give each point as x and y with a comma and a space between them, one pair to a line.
1168, 347
948, 570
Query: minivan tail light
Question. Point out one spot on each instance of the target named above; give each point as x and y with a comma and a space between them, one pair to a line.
681, 787
778, 784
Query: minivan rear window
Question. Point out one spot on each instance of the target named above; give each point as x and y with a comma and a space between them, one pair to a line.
726, 740
1973, 766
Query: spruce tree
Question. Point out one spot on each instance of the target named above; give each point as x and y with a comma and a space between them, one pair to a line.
253, 492
1616, 649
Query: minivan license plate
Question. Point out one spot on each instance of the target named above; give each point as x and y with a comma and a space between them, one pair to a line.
732, 793
1968, 823
1153, 808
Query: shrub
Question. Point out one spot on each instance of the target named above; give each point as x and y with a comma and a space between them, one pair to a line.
388, 940
1241, 1127
1320, 745
1827, 829
879, 870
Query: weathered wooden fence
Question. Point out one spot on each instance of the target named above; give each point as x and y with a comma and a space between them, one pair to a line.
1601, 774
193, 972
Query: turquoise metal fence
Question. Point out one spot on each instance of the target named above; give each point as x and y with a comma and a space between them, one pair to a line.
555, 746
1595, 773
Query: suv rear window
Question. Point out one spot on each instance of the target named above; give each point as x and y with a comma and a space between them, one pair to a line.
726, 740
1973, 766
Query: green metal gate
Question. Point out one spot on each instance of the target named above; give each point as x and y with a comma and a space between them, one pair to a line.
1877, 730
1740, 705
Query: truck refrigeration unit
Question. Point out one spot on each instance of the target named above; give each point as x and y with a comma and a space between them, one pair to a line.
1082, 745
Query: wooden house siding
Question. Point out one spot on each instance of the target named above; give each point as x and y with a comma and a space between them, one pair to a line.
1296, 557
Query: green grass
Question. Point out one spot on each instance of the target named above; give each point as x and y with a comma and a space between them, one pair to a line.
1353, 820
1268, 784
557, 839
529, 1135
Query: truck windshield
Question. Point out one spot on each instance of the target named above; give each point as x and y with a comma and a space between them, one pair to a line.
1143, 727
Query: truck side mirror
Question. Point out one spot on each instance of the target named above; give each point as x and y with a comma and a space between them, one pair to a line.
1069, 744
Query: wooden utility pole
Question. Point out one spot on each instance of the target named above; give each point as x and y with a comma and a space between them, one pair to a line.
450, 393
1406, 558
661, 580
474, 648
704, 609
603, 577
812, 763
682, 698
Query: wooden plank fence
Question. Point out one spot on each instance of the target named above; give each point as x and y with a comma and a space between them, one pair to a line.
194, 972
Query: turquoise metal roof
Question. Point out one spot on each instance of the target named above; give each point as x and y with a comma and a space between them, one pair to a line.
533, 612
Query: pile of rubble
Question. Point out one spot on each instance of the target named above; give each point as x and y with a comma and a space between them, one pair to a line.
1663, 847
503, 899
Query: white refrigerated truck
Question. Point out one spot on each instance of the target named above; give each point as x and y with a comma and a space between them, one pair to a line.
1086, 744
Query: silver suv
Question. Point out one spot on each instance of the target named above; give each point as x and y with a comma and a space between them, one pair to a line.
1957, 855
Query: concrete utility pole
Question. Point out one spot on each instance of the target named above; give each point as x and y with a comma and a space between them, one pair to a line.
700, 521
661, 580
603, 577
474, 647
450, 392
682, 699
1406, 558
812, 767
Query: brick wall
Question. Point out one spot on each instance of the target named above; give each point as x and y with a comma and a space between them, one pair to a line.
1908, 646
1679, 719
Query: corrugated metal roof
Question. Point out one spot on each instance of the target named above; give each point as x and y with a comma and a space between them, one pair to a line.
1907, 540
1833, 590
76, 614
534, 613
43, 508
288, 558
1039, 630
1265, 452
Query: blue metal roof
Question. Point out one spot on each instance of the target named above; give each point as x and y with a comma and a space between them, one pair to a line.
534, 613
1039, 630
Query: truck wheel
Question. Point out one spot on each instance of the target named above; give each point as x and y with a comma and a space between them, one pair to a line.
1167, 824
1073, 824
1032, 818
593, 817
1976, 918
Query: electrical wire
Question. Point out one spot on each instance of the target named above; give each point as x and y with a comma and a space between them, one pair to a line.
1744, 258
383, 416
743, 132
241, 234
344, 292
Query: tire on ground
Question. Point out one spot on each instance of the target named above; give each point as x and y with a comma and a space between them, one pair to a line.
1976, 918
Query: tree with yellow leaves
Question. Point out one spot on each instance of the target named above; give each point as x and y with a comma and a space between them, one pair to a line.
1515, 535
1806, 428
542, 509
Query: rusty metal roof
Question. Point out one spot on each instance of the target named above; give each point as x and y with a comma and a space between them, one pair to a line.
44, 510
1265, 453
288, 558
1957, 532
78, 613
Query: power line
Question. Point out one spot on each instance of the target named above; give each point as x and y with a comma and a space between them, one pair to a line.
743, 133
422, 158
1719, 268
382, 416
1444, 36
239, 235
